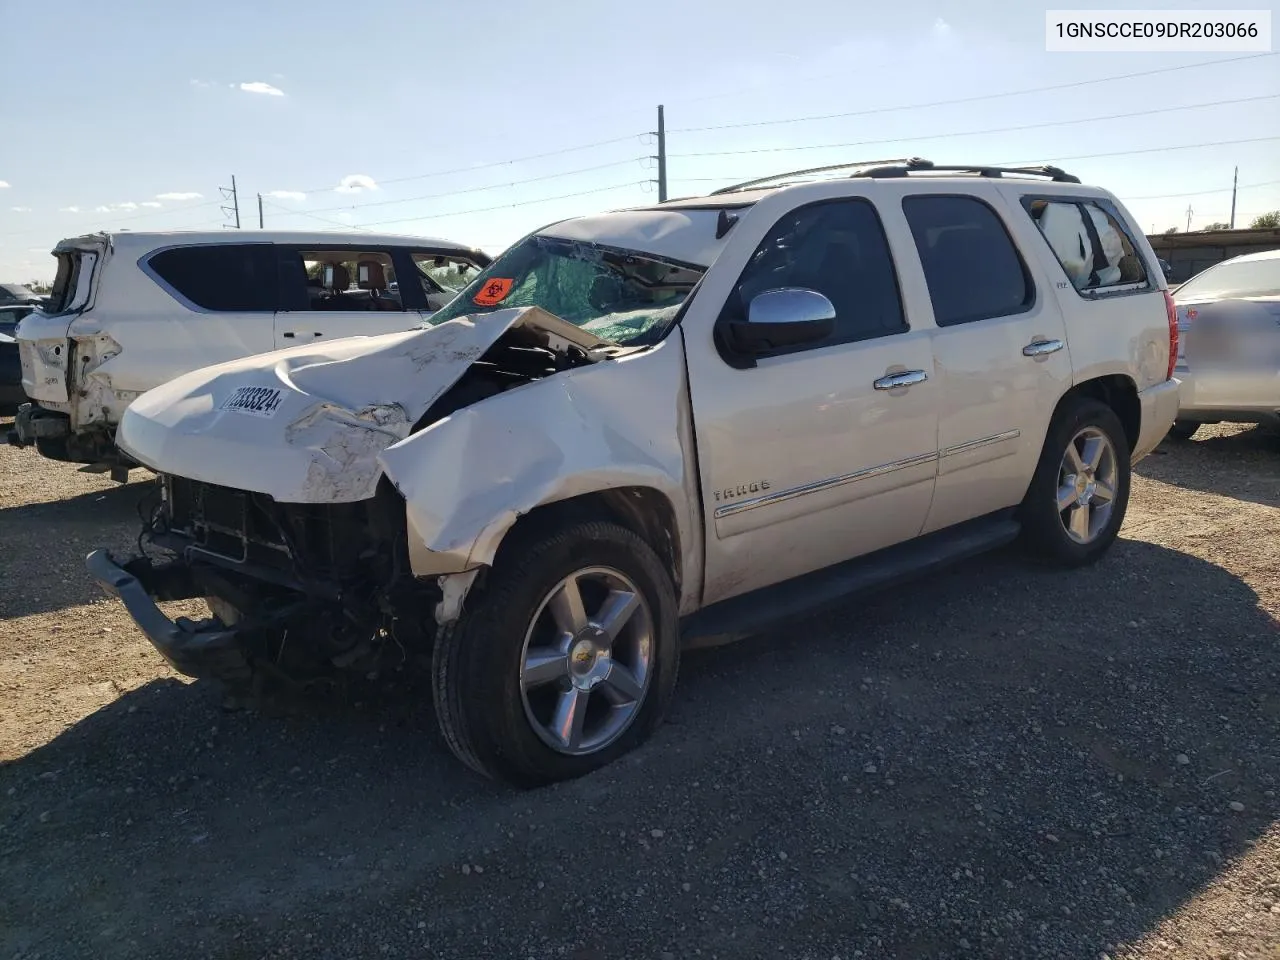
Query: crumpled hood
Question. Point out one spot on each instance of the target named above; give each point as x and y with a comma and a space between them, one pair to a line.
305, 425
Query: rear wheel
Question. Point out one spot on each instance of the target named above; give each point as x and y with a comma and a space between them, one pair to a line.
564, 661
1183, 429
1078, 496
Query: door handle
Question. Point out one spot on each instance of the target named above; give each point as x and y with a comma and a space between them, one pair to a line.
906, 378
290, 334
1042, 348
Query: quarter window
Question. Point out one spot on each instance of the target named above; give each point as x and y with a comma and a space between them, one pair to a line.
837, 248
972, 268
221, 277
349, 280
1091, 244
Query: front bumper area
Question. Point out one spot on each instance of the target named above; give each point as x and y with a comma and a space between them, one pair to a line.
202, 649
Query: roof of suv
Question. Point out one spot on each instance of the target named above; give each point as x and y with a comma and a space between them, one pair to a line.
141, 239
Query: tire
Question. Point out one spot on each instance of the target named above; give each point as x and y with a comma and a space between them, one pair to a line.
496, 703
1048, 531
1183, 429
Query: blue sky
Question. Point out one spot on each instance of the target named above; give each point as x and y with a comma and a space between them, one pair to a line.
425, 118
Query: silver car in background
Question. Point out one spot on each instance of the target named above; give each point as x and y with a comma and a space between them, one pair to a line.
1229, 344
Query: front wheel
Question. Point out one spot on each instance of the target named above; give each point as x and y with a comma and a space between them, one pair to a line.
564, 661
1077, 498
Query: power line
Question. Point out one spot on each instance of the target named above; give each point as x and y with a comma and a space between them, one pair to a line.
973, 133
128, 219
1203, 193
506, 206
973, 99
1128, 153
494, 186
312, 216
499, 163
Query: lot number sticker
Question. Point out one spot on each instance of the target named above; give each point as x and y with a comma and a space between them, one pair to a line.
255, 401
493, 291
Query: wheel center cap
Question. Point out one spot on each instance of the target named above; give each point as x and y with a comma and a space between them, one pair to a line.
589, 657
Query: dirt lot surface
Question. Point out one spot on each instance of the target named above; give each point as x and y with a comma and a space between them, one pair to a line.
1004, 761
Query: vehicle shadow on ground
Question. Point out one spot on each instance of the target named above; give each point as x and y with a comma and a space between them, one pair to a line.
1000, 761
1224, 464
44, 545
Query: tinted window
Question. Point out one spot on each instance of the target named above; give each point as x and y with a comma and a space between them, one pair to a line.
970, 263
837, 248
347, 279
228, 276
1089, 241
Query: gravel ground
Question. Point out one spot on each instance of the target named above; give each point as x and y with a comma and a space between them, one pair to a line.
1003, 761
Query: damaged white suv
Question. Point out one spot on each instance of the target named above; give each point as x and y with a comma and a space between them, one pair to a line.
653, 428
131, 310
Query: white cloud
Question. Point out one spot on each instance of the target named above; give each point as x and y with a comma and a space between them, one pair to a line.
941, 29
258, 86
69, 210
189, 195
355, 183
127, 205
20, 209
287, 194
151, 203
202, 84
102, 209
4, 184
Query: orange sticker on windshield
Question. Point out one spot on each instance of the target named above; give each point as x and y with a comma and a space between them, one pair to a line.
493, 291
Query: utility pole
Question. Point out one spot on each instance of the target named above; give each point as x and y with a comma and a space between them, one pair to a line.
229, 193
661, 134
259, 211
1235, 179
1189, 212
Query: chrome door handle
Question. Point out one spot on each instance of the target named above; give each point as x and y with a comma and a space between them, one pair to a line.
893, 381
1042, 348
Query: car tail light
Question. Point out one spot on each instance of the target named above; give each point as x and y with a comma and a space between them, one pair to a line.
1172, 310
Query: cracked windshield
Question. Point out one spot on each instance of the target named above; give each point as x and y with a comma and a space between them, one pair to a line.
618, 295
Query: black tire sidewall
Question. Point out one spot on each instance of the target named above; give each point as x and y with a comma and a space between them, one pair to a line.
1042, 525
492, 638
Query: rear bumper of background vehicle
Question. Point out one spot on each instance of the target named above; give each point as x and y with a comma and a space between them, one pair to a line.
1159, 405
196, 649
1232, 396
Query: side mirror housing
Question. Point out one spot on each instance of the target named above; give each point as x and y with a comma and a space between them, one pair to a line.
786, 317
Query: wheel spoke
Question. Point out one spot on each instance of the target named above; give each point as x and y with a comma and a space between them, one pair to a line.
1072, 460
1103, 492
620, 685
1093, 450
616, 611
1078, 523
1066, 496
571, 713
566, 607
543, 665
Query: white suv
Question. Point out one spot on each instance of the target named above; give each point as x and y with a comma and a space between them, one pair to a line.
658, 427
131, 310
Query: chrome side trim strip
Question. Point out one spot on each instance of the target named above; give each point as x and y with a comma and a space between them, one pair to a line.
769, 499
982, 442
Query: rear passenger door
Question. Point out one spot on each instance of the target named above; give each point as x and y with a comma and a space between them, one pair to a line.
999, 350
340, 290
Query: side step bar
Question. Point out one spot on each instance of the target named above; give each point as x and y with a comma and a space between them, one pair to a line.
753, 613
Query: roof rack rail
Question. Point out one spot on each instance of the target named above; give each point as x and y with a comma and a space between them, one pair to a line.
917, 165
902, 167
830, 168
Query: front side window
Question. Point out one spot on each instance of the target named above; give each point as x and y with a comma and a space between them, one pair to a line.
1240, 278
972, 268
223, 277
621, 295
1091, 244
836, 248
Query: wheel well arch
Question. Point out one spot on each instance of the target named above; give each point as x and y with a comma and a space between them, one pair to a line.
645, 511
1118, 392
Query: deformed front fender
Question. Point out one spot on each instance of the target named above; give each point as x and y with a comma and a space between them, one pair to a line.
626, 422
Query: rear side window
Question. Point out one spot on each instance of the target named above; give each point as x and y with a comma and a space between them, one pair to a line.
221, 277
1090, 242
973, 269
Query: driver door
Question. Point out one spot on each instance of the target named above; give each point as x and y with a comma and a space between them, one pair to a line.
815, 453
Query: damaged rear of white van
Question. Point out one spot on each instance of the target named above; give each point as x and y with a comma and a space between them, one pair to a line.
131, 311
